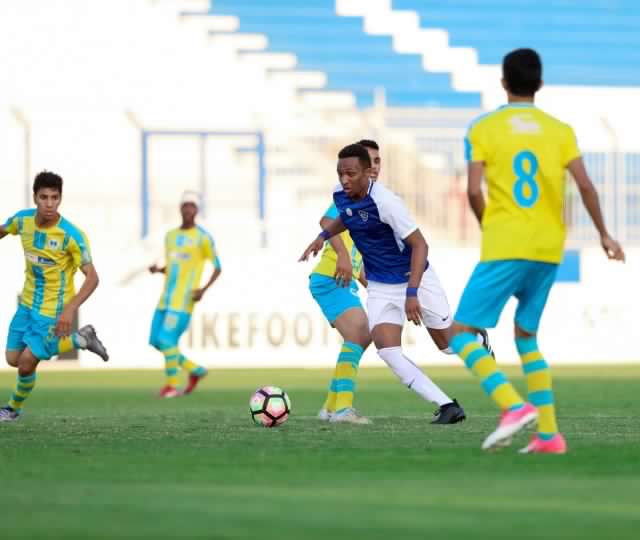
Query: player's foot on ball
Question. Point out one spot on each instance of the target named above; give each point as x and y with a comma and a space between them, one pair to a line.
168, 392
555, 445
450, 413
94, 345
486, 343
7, 414
325, 414
194, 379
349, 416
511, 422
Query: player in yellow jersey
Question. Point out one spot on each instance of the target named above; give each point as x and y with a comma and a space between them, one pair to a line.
333, 286
54, 250
187, 249
523, 153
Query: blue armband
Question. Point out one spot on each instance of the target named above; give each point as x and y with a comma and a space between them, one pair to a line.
412, 292
326, 235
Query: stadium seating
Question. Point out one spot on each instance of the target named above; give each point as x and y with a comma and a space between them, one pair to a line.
593, 45
338, 46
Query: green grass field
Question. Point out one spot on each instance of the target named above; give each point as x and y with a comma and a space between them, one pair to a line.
98, 456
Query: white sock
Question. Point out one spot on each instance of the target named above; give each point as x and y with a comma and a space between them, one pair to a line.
411, 376
448, 350
80, 340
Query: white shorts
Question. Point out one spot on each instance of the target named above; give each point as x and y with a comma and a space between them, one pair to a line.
386, 302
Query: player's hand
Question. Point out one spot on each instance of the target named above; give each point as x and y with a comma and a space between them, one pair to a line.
314, 248
612, 249
413, 310
344, 271
63, 325
155, 269
197, 294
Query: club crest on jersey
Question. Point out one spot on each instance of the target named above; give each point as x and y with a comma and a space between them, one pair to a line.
364, 215
349, 212
53, 244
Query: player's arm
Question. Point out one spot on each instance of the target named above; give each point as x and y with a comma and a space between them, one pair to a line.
591, 202
217, 270
209, 253
475, 173
394, 213
336, 227
344, 268
91, 280
419, 253
9, 227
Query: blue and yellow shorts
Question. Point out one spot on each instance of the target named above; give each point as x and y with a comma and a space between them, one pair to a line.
167, 328
494, 282
333, 299
29, 329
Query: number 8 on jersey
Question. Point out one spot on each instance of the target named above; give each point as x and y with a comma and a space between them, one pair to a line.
525, 189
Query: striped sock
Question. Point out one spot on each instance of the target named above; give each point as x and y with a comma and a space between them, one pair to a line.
24, 385
191, 366
538, 376
482, 364
344, 383
171, 356
70, 343
330, 402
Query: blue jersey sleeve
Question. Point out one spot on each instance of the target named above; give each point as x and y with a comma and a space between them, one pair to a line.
332, 212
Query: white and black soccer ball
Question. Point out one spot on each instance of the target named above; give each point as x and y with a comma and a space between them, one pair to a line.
270, 406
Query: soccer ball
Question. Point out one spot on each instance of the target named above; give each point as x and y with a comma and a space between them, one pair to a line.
270, 406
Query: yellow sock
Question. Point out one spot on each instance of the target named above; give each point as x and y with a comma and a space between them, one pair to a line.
65, 344
171, 365
539, 385
344, 381
482, 364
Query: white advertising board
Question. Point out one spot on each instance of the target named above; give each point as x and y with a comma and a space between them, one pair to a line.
260, 314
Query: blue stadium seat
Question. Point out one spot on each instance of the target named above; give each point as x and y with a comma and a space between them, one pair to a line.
353, 60
594, 43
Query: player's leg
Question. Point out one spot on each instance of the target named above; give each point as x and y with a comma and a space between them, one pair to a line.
353, 326
343, 309
196, 371
26, 380
86, 338
531, 301
163, 339
15, 346
436, 314
385, 305
483, 299
34, 334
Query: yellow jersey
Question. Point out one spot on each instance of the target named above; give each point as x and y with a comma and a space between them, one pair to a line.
525, 153
329, 258
186, 252
52, 258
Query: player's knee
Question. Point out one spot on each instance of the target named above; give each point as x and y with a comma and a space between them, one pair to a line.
27, 364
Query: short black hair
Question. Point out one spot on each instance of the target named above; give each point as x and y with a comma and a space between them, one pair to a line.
356, 151
369, 143
47, 179
522, 71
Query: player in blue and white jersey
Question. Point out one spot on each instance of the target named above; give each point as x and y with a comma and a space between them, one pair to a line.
400, 280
